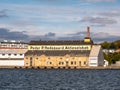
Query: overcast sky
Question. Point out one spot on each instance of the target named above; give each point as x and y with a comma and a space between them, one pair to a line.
59, 19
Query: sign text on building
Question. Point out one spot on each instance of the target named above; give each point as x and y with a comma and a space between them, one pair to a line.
61, 47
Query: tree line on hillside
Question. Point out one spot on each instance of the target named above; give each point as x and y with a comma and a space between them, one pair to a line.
111, 45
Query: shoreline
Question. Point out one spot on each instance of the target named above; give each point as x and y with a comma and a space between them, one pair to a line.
89, 68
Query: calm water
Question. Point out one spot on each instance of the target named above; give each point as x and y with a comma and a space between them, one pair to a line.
36, 79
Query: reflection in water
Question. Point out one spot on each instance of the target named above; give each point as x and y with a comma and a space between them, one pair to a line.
60, 79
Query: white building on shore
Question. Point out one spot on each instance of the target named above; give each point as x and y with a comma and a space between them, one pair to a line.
12, 53
96, 57
12, 44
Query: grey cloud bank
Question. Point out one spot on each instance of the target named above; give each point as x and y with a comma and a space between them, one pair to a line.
99, 21
6, 34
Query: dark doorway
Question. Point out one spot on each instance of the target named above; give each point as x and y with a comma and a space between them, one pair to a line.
30, 61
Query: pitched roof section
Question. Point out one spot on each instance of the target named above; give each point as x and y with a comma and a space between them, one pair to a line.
13, 51
58, 42
58, 53
12, 42
95, 50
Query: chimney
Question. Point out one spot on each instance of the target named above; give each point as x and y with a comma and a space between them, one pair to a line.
88, 31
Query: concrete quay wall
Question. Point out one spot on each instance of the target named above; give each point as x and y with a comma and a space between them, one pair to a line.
91, 68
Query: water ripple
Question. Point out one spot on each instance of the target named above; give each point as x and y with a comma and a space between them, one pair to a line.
36, 79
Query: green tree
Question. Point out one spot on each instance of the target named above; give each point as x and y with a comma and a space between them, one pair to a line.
116, 57
105, 45
112, 57
117, 43
112, 46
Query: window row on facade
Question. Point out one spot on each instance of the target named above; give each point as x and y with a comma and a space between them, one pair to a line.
9, 54
55, 61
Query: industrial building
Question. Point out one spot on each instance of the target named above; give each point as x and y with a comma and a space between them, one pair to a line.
64, 54
12, 44
12, 53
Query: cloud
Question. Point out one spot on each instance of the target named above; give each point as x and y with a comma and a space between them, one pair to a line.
6, 34
50, 34
3, 13
47, 9
80, 0
46, 13
101, 36
110, 14
47, 36
99, 21
96, 37
47, 0
53, 36
16, 35
80, 34
94, 1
